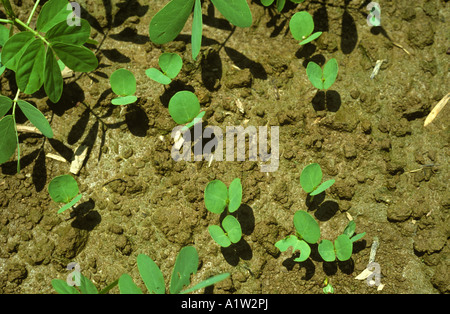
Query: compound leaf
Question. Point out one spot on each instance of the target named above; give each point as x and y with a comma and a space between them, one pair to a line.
14, 48
30, 68
69, 34
197, 25
52, 13
236, 12
208, 282
5, 104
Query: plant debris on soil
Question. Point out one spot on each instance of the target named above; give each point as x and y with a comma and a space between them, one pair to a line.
367, 134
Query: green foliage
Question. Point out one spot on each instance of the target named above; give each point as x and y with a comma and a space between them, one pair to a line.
184, 107
33, 56
64, 189
170, 64
322, 79
170, 20
301, 26
123, 84
279, 4
86, 286
186, 265
310, 180
217, 197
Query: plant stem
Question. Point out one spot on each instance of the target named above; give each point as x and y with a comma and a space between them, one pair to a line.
32, 12
31, 30
6, 21
16, 98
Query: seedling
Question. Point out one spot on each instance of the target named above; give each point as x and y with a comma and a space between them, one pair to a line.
170, 20
184, 107
123, 84
343, 245
308, 231
186, 264
279, 3
328, 288
64, 189
301, 26
217, 198
170, 64
86, 286
322, 79
310, 179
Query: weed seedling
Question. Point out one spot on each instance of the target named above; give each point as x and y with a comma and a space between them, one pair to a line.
123, 84
279, 3
301, 26
186, 264
86, 286
170, 20
311, 178
184, 107
170, 64
64, 189
322, 79
217, 197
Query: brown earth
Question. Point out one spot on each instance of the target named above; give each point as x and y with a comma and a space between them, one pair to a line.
367, 134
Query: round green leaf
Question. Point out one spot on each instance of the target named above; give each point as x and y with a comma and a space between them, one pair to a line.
330, 71
151, 274
185, 265
170, 64
8, 142
184, 107
36, 117
266, 3
305, 251
237, 12
158, 76
216, 196
296, 244
233, 228
314, 72
235, 195
325, 185
306, 226
219, 236
169, 21
123, 82
63, 189
127, 285
344, 247
310, 177
301, 25
326, 250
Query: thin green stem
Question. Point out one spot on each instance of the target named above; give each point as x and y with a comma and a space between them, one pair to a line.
32, 12
31, 30
16, 98
6, 21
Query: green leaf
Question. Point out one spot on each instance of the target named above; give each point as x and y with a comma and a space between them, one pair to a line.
79, 59
170, 64
30, 68
52, 13
301, 25
197, 25
208, 282
330, 71
310, 177
158, 76
233, 228
307, 226
219, 236
344, 247
63, 188
62, 287
280, 5
69, 34
314, 72
123, 82
358, 237
235, 195
14, 48
70, 204
8, 142
169, 21
296, 244
216, 196
126, 100
236, 12
53, 81
36, 117
326, 250
86, 286
5, 104
325, 185
311, 38
151, 274
4, 35
185, 265
266, 3
196, 119
350, 228
183, 107
127, 285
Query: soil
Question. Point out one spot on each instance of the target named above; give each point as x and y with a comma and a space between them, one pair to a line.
391, 172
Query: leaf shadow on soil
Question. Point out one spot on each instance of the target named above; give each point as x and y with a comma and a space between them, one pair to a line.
241, 250
329, 100
86, 218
